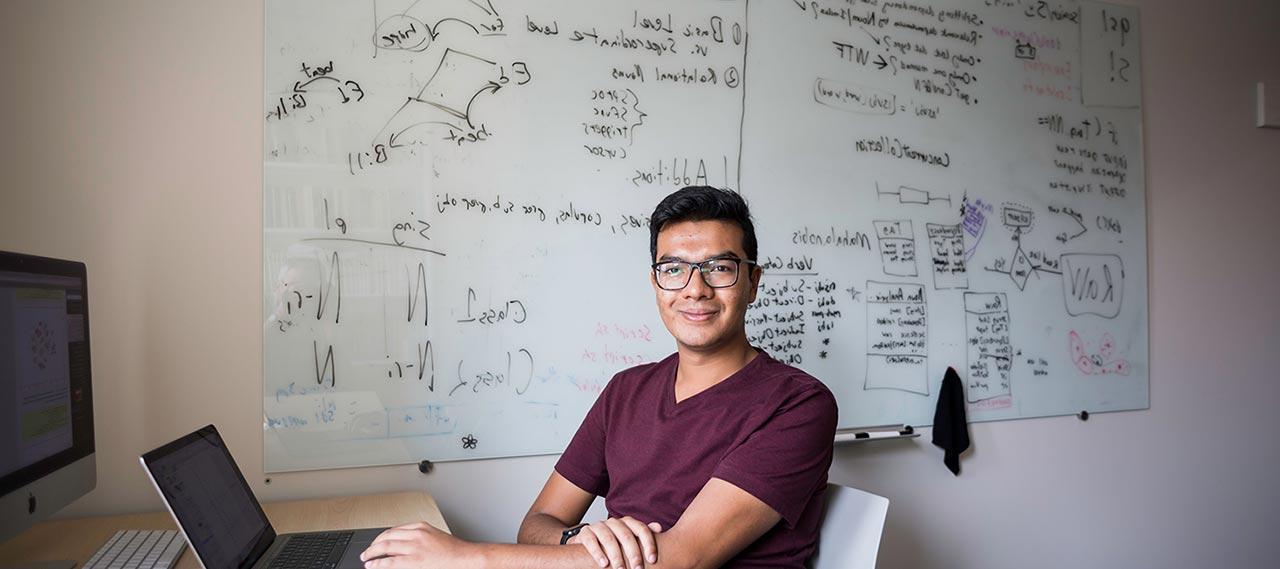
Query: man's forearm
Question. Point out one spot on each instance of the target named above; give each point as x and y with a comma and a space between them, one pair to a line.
536, 556
508, 556
541, 529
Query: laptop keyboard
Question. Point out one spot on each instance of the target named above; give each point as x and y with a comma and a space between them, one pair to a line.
312, 551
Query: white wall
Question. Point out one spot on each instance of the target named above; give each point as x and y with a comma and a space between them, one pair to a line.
132, 140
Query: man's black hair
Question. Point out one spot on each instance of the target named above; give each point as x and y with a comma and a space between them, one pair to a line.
703, 203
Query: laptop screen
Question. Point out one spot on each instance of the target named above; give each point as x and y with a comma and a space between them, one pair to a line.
213, 504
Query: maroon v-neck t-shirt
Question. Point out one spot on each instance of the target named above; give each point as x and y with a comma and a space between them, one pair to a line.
766, 429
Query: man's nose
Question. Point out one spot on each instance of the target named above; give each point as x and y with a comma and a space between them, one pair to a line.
698, 287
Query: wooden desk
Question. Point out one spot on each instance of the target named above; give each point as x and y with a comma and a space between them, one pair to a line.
77, 539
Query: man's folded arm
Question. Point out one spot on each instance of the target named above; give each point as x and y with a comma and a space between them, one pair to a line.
722, 520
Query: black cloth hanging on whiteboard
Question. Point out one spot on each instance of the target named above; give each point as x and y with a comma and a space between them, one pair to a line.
950, 426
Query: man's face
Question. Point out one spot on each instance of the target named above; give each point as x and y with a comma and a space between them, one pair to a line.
702, 318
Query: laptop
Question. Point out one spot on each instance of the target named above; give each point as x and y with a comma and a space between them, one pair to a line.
222, 520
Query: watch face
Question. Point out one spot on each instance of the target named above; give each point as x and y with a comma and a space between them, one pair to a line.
564, 537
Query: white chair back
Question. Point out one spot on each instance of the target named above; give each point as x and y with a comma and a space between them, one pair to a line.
851, 529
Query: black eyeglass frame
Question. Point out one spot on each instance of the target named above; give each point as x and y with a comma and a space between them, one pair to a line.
702, 273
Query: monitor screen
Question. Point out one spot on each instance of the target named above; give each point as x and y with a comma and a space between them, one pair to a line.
46, 402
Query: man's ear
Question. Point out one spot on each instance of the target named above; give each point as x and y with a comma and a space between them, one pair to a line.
756, 274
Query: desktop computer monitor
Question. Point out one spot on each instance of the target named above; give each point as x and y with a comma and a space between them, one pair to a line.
46, 402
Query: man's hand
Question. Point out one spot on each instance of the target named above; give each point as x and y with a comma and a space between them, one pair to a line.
417, 545
618, 541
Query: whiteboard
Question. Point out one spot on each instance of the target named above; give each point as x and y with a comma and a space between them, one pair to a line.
456, 198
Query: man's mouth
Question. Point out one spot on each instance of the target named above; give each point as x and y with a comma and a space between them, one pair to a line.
698, 315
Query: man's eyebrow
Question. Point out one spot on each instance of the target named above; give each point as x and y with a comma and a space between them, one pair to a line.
722, 255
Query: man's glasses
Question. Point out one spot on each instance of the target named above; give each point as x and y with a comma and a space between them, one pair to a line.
717, 273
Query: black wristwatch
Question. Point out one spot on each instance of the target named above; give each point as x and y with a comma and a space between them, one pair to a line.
569, 533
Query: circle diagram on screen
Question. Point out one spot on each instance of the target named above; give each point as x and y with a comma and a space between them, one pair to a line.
43, 345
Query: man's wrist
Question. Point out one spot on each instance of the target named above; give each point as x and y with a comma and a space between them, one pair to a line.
475, 555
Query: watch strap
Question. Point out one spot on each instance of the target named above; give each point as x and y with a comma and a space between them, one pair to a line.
569, 533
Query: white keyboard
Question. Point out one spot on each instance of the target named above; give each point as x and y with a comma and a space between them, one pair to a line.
139, 549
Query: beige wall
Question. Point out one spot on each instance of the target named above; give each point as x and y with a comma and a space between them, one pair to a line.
132, 140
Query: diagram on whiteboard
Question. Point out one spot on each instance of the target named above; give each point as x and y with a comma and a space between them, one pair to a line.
443, 109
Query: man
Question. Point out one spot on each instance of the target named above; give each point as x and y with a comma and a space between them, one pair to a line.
715, 456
